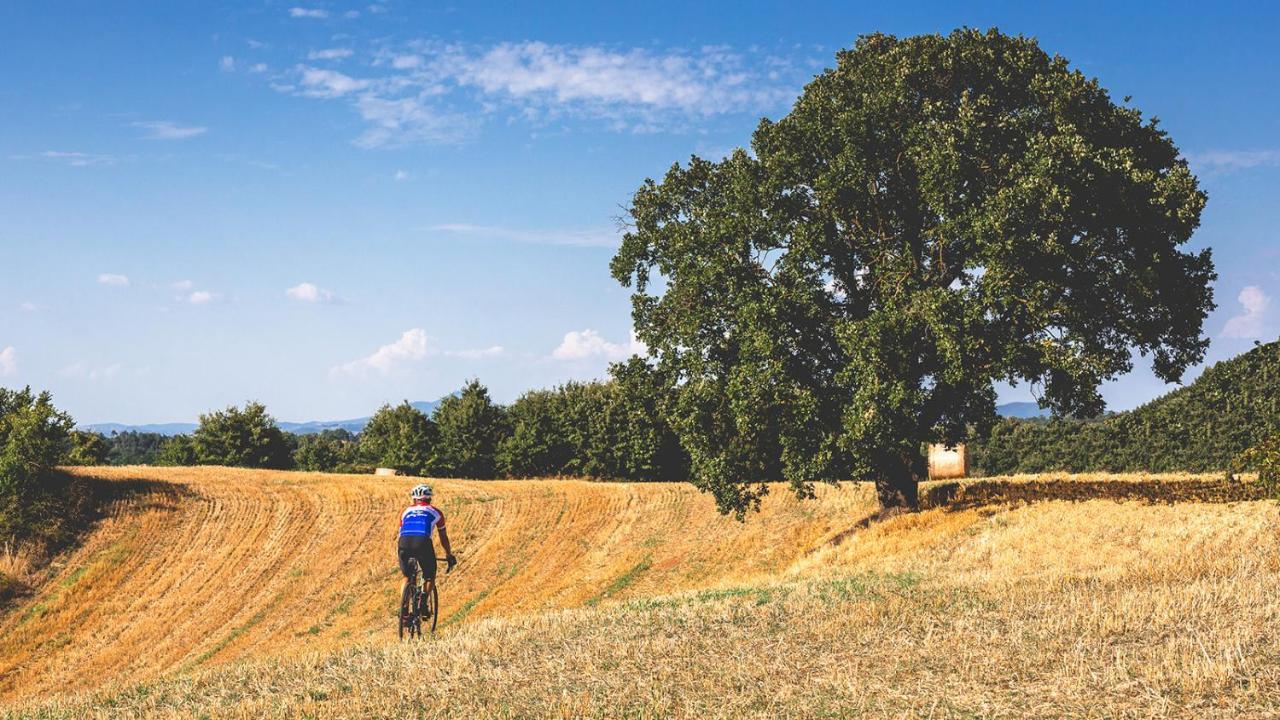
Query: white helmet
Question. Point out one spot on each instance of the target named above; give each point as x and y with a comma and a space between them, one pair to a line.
421, 492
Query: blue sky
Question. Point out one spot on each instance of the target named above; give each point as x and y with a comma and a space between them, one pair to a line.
325, 205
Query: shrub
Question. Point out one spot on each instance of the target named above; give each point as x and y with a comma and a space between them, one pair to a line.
1264, 458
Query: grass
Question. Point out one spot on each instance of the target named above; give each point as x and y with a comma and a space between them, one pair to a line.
1156, 601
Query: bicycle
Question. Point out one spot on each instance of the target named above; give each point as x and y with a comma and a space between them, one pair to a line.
421, 606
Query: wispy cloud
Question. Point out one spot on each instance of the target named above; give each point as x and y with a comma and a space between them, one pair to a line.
588, 344
309, 292
1250, 324
586, 238
83, 371
201, 297
322, 83
76, 159
311, 13
28, 307
113, 279
329, 54
479, 354
1229, 160
167, 130
412, 94
181, 285
411, 347
8, 362
401, 175
226, 63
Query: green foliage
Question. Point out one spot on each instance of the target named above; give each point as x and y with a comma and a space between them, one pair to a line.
134, 448
177, 451
934, 215
328, 451
1264, 459
87, 448
602, 430
241, 438
34, 437
470, 427
399, 437
1202, 427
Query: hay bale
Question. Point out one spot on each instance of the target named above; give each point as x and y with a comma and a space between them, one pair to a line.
947, 462
386, 471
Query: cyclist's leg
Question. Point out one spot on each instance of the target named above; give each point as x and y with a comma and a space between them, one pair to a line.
427, 560
407, 569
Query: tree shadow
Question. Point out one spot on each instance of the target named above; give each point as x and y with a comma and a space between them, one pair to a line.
973, 494
955, 496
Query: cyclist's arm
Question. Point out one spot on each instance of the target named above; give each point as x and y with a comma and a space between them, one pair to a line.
444, 542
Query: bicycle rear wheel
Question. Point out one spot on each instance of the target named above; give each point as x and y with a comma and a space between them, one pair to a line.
408, 612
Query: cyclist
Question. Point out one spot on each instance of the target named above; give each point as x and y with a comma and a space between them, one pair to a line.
413, 539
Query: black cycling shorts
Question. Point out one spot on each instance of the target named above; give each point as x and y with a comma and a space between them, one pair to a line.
418, 548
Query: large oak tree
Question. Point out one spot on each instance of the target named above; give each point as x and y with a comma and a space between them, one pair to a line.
934, 215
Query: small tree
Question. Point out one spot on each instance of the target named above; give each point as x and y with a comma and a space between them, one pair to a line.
34, 437
934, 215
471, 425
399, 437
241, 438
325, 451
1263, 458
177, 451
537, 445
87, 448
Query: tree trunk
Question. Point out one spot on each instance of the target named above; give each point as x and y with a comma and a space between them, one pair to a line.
897, 485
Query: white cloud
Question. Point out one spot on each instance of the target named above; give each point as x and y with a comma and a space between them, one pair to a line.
166, 130
1250, 324
321, 83
201, 297
351, 14
586, 344
258, 68
412, 346
227, 63
113, 279
402, 175
8, 361
1228, 160
313, 13
329, 54
479, 354
181, 285
377, 9
408, 121
406, 62
28, 307
308, 292
411, 95
77, 159
709, 82
588, 238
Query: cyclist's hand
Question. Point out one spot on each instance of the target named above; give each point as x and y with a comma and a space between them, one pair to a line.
451, 561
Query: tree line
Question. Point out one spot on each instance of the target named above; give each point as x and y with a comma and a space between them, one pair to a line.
609, 429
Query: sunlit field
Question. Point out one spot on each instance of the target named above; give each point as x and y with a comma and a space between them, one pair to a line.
243, 593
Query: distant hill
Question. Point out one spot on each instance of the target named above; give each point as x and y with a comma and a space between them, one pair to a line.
1231, 407
354, 425
1021, 410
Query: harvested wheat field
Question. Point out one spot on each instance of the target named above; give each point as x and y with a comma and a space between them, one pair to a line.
232, 593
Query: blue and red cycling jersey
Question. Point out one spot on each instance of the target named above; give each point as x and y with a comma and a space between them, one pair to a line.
420, 520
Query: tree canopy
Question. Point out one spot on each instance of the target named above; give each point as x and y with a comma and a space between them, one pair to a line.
470, 427
399, 437
935, 214
241, 438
